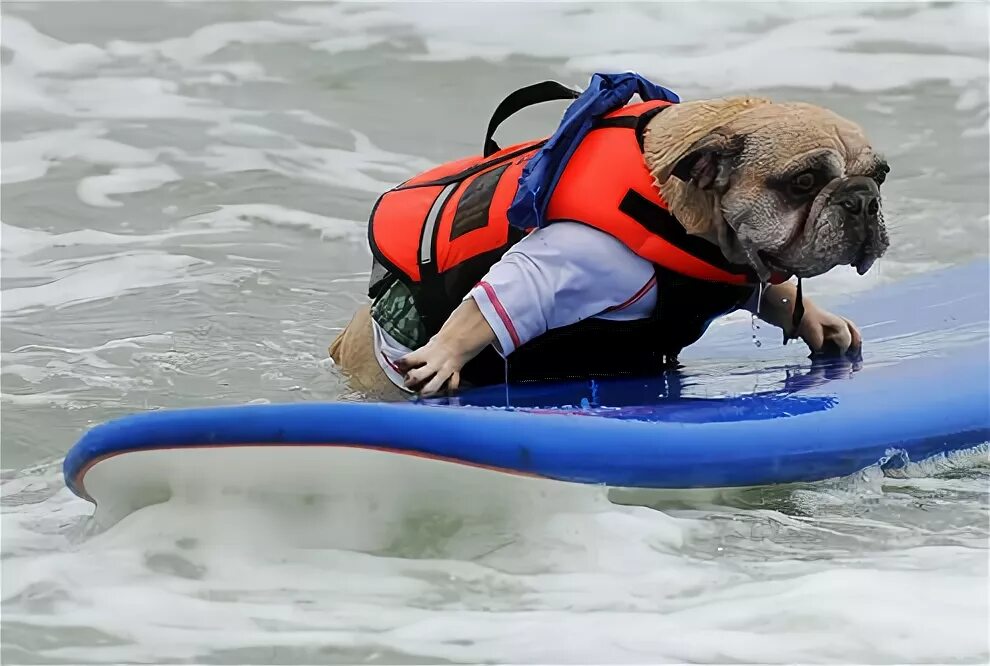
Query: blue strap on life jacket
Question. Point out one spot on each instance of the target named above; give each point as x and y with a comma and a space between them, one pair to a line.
604, 94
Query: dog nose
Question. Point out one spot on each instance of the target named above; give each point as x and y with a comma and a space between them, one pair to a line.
860, 202
861, 197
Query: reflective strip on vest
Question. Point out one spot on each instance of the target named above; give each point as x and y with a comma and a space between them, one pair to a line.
426, 244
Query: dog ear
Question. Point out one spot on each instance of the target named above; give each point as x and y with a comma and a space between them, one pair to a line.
690, 141
706, 164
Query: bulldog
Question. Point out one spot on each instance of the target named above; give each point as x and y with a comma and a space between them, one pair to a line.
698, 209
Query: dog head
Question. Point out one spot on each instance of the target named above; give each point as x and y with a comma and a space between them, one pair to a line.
790, 187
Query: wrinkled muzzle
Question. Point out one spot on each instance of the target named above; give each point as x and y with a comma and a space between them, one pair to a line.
856, 201
845, 227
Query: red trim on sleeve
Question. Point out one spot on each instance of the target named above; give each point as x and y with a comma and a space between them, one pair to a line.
503, 315
643, 291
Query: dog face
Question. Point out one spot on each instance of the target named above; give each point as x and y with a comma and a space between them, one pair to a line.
789, 187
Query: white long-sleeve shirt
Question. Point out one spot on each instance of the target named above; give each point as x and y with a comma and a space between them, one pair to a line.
554, 277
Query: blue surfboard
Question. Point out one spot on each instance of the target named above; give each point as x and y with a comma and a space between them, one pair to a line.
733, 416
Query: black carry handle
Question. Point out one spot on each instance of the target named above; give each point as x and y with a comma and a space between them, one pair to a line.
545, 91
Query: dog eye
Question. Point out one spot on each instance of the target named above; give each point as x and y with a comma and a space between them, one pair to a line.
803, 183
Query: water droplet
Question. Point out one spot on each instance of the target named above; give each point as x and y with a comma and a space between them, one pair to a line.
507, 403
754, 325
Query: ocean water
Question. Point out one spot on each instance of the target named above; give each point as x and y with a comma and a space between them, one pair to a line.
184, 190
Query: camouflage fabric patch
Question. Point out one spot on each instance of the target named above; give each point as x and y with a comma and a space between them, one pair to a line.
395, 311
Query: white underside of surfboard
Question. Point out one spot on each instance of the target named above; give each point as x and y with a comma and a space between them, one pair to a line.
342, 475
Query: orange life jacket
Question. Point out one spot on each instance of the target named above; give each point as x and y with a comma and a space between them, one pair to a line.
437, 221
441, 231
